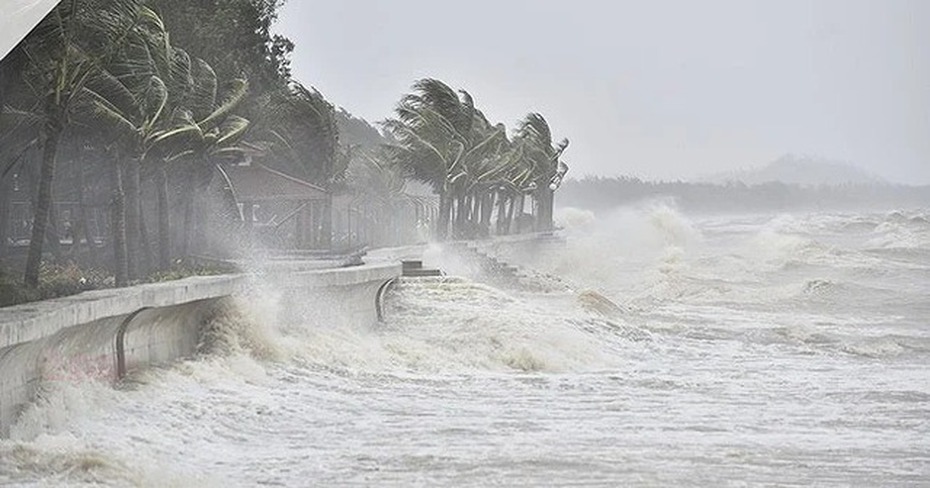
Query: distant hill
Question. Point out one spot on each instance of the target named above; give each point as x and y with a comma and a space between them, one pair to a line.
358, 132
803, 171
600, 194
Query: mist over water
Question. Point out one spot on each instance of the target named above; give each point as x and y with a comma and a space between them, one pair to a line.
652, 348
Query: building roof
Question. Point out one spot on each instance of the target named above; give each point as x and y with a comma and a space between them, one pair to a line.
258, 183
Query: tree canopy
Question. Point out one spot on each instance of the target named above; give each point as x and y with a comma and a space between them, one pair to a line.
125, 106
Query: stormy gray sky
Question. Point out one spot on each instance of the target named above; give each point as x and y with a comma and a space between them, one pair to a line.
658, 89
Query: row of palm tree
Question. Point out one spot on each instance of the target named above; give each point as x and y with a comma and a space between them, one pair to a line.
101, 94
105, 72
442, 139
103, 79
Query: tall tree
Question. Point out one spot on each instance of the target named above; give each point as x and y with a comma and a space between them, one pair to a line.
65, 51
299, 133
542, 157
18, 131
234, 37
438, 141
127, 101
203, 131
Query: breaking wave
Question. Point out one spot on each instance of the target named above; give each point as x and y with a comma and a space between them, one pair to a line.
650, 321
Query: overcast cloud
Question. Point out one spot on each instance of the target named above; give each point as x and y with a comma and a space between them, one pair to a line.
658, 89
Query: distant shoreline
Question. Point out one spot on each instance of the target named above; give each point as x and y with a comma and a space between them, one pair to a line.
598, 193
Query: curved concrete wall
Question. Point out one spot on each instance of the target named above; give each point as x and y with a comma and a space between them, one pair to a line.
161, 335
31, 321
103, 335
71, 354
334, 296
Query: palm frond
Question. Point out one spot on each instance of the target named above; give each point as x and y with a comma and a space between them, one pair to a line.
231, 129
236, 93
202, 98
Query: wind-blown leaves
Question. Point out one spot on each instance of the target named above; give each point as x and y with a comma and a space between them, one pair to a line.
299, 134
103, 78
202, 100
442, 139
542, 158
234, 95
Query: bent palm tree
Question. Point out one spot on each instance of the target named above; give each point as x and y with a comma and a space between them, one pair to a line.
542, 159
439, 142
126, 101
202, 131
300, 136
65, 50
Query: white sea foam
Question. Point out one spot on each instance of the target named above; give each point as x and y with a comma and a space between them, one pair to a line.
681, 352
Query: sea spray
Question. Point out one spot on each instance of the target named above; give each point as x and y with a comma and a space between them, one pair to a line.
732, 354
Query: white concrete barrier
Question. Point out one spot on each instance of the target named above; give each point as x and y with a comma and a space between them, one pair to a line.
106, 334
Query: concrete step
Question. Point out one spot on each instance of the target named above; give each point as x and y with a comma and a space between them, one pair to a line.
415, 273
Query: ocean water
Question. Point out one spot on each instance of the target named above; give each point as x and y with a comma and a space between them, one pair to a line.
652, 349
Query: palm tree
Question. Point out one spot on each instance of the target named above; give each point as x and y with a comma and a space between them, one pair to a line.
65, 51
126, 101
202, 131
378, 191
19, 133
170, 112
300, 137
487, 176
439, 143
542, 158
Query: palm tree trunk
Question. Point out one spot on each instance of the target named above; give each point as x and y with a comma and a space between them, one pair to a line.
6, 194
544, 213
52, 235
188, 215
477, 210
326, 231
82, 227
131, 183
516, 212
349, 226
164, 219
452, 216
475, 220
442, 220
145, 264
487, 207
460, 219
501, 212
118, 224
43, 203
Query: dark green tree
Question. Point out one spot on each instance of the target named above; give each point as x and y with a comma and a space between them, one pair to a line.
65, 51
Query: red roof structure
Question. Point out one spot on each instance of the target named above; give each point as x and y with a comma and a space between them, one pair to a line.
278, 209
258, 183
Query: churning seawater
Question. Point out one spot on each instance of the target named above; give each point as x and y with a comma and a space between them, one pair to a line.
737, 351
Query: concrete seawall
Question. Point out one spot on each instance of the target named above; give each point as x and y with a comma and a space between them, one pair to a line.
106, 334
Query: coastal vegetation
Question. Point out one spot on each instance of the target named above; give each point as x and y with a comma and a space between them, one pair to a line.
604, 194
119, 117
443, 140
